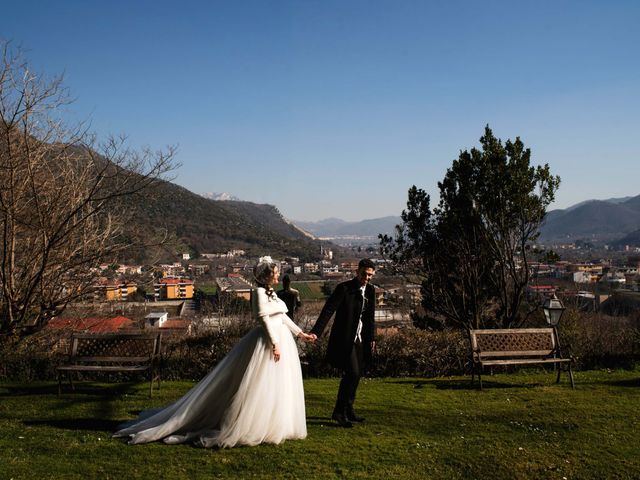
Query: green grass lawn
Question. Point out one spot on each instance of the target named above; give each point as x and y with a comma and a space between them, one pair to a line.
310, 290
208, 289
307, 290
520, 426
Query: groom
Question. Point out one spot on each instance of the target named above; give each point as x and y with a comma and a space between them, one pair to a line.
352, 336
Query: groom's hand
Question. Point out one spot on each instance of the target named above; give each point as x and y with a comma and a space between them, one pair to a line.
309, 338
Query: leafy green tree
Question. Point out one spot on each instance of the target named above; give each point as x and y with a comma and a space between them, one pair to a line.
472, 251
548, 256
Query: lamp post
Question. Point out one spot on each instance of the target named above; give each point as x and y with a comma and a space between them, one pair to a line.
553, 310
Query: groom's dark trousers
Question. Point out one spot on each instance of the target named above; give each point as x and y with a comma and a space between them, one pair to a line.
350, 379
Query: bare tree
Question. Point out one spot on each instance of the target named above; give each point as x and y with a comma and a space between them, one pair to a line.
63, 197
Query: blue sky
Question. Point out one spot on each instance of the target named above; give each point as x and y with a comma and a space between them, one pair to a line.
335, 108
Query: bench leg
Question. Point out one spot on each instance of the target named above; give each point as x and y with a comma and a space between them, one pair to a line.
571, 376
558, 369
59, 383
153, 376
478, 370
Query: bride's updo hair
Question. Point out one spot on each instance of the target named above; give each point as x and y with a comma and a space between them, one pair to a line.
263, 270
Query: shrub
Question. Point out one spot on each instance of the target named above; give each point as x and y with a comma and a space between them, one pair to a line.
193, 357
30, 359
597, 340
405, 352
424, 353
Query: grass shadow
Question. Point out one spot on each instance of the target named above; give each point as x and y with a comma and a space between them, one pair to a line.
81, 388
631, 382
417, 384
464, 384
27, 390
93, 424
323, 422
444, 384
97, 400
100, 390
467, 385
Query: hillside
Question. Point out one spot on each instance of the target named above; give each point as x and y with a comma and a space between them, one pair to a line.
204, 226
195, 224
632, 238
597, 219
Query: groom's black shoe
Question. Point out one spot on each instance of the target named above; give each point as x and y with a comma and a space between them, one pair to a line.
341, 418
352, 417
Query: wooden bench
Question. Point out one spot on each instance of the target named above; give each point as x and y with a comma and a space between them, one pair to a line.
113, 352
517, 346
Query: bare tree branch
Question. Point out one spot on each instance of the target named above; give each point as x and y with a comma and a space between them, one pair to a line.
63, 197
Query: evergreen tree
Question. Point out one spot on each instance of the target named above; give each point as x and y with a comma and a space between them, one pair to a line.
472, 251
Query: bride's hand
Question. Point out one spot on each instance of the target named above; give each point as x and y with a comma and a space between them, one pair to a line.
310, 338
276, 352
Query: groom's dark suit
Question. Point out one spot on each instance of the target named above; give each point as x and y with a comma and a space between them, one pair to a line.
346, 348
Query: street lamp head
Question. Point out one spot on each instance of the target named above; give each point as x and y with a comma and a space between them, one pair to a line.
553, 310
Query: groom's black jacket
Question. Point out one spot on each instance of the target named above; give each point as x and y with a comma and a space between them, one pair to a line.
346, 301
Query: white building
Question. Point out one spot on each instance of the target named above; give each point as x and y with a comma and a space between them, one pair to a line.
615, 278
310, 267
155, 319
584, 277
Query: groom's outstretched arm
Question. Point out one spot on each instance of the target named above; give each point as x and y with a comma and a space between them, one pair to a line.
331, 305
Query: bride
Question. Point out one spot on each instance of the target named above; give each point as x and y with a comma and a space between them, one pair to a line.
254, 395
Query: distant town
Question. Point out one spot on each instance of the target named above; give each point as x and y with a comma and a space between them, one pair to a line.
194, 293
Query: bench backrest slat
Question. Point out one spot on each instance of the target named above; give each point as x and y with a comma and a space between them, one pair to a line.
111, 359
130, 347
519, 353
513, 342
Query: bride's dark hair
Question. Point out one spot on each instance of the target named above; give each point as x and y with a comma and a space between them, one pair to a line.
263, 271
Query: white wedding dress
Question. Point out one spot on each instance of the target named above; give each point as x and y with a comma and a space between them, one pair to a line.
247, 399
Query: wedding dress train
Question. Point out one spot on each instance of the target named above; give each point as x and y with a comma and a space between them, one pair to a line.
247, 399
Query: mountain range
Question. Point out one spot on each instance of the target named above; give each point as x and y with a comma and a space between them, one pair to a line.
333, 228
608, 200
204, 225
615, 220
599, 220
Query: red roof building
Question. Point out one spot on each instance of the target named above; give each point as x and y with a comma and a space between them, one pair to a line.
91, 325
